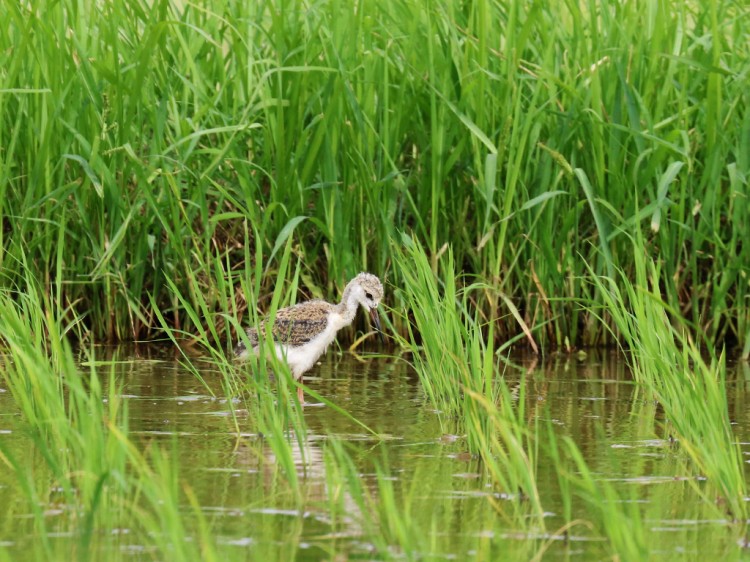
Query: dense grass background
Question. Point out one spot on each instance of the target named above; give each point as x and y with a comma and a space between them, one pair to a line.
155, 148
163, 164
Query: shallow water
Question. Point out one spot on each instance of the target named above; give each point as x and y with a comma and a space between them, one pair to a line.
592, 400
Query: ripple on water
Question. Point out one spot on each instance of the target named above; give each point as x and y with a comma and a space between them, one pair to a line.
235, 474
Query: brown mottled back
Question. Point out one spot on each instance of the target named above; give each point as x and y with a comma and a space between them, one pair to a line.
295, 325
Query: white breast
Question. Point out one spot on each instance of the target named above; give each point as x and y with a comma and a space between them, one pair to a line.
302, 358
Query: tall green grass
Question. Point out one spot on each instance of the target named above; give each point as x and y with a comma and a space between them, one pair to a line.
143, 140
453, 354
86, 466
686, 377
463, 377
171, 169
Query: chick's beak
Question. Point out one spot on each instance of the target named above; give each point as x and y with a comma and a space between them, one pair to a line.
376, 320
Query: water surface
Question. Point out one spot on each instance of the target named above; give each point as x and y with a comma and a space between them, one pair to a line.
622, 437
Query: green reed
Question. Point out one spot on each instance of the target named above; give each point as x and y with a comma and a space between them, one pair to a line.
399, 522
58, 404
685, 376
392, 514
83, 460
163, 164
146, 137
463, 377
459, 371
615, 517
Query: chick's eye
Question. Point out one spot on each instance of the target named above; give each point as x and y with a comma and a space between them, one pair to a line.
368, 295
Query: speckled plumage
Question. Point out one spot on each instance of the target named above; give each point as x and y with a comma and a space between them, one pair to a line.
303, 332
295, 325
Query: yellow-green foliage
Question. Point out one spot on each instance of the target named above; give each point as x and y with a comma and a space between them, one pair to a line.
142, 142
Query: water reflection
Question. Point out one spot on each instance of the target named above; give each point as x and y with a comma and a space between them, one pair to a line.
235, 474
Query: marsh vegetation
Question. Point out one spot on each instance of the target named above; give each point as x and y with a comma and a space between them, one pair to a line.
540, 179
